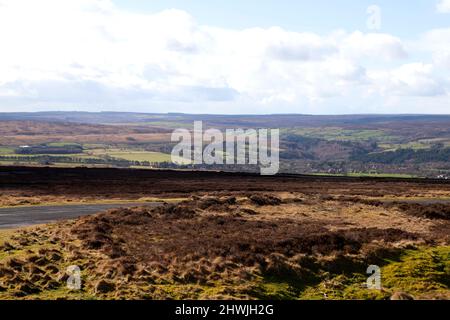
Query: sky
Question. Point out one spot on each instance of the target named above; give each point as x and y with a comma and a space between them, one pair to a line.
226, 57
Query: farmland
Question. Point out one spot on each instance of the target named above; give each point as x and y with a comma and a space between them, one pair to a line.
343, 145
132, 155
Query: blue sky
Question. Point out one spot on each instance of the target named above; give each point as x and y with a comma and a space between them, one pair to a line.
247, 56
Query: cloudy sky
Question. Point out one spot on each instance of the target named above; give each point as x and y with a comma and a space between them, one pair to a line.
233, 56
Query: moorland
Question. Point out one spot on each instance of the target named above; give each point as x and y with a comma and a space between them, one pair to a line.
228, 236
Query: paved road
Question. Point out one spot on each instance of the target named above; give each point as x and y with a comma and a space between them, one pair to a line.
26, 216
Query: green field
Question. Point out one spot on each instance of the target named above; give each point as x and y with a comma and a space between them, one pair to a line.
415, 145
63, 144
6, 150
369, 175
95, 152
132, 155
339, 134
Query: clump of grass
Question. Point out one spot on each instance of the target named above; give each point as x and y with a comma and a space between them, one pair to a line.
424, 273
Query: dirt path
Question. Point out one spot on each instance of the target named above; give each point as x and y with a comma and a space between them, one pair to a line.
25, 216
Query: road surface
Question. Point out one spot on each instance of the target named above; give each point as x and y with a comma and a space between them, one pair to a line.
16, 217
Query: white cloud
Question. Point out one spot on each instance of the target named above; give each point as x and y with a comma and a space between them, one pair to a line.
413, 79
437, 42
295, 46
443, 6
91, 54
373, 45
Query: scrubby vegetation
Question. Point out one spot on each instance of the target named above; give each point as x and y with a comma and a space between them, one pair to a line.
435, 154
261, 246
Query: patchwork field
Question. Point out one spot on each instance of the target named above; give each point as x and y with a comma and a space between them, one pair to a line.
352, 145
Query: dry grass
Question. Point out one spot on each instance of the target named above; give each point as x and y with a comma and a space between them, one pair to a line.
13, 133
72, 184
14, 140
240, 236
214, 247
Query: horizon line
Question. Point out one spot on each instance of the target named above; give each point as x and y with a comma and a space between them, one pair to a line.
226, 114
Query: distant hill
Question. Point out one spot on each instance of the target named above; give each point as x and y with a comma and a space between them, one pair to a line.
406, 145
268, 120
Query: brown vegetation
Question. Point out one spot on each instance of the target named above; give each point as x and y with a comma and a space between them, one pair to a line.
29, 185
14, 133
209, 242
437, 211
237, 234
